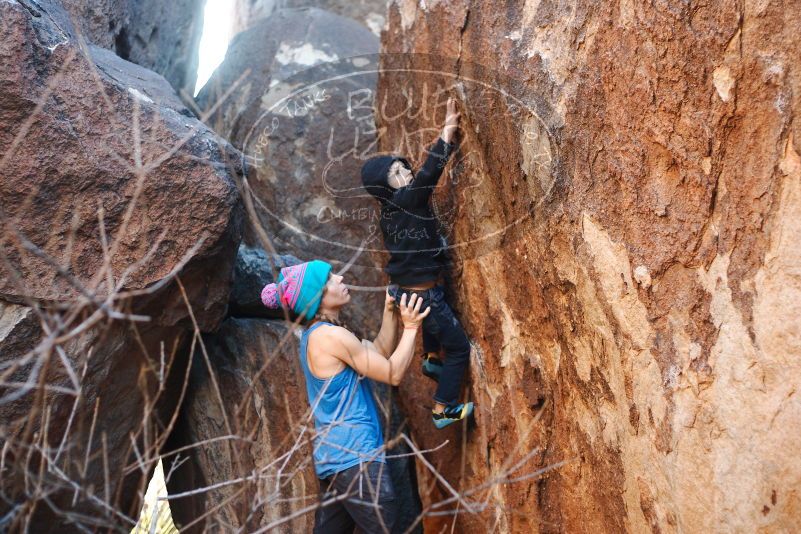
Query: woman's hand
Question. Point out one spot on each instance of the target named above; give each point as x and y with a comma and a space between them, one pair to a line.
386, 340
451, 120
410, 313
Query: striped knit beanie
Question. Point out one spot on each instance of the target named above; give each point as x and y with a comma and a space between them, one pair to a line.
299, 288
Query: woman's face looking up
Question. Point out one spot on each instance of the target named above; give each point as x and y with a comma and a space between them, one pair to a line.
336, 292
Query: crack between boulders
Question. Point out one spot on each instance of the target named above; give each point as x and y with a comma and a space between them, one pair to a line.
31, 10
461, 42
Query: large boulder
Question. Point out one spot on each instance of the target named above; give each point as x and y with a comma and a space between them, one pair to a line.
244, 455
162, 36
370, 13
289, 94
73, 160
107, 267
624, 211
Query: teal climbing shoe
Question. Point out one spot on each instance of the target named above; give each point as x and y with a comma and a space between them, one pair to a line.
432, 367
452, 414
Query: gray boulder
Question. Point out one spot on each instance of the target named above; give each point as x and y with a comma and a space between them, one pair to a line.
371, 13
161, 36
298, 90
253, 270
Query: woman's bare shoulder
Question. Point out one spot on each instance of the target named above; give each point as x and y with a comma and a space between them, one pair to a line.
326, 350
329, 337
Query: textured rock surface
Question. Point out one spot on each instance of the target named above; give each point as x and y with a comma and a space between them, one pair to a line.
256, 392
119, 374
186, 197
296, 113
371, 13
158, 35
262, 400
646, 298
71, 127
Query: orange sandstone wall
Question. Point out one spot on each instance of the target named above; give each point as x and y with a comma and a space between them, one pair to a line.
624, 218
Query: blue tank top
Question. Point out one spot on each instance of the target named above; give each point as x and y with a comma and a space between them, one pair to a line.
345, 417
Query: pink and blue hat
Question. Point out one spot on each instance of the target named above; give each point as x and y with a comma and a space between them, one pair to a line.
299, 288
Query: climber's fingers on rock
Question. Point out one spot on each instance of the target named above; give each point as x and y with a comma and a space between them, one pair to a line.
450, 108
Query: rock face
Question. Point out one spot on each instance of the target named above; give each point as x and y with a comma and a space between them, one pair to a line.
255, 392
253, 270
297, 114
161, 36
370, 13
626, 213
93, 245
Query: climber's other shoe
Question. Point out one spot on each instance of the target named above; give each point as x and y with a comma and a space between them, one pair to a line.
452, 414
432, 366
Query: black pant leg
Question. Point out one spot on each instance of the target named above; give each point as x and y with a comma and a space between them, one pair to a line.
430, 337
332, 518
430, 341
456, 345
377, 509
371, 502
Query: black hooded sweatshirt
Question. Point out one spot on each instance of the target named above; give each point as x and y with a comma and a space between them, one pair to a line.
411, 235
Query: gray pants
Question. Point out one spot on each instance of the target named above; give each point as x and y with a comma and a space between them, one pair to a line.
365, 498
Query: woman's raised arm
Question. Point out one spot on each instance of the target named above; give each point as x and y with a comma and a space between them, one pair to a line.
387, 336
366, 361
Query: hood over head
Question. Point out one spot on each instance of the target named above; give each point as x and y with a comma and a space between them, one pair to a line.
375, 174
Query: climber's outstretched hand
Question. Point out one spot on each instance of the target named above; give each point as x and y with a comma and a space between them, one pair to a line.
410, 312
451, 120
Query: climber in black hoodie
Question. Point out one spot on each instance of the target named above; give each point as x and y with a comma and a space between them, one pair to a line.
417, 259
